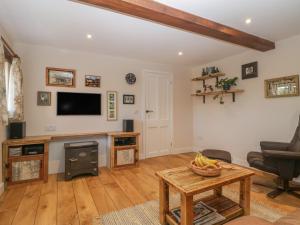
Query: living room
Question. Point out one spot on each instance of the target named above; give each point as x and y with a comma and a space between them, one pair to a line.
150, 87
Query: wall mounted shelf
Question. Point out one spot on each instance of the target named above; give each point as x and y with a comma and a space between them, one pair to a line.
208, 77
214, 93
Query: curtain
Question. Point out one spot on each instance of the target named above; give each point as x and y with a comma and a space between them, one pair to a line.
3, 100
15, 92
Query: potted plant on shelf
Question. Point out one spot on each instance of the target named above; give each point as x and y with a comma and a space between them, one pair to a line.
227, 83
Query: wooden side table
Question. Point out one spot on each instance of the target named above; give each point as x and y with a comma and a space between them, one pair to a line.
123, 141
9, 160
188, 184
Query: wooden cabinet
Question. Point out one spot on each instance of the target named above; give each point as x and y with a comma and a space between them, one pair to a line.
81, 158
20, 167
119, 143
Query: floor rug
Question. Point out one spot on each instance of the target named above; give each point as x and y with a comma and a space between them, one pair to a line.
148, 213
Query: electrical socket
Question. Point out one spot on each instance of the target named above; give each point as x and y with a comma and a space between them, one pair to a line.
50, 128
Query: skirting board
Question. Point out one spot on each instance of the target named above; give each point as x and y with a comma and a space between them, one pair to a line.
1, 188
182, 150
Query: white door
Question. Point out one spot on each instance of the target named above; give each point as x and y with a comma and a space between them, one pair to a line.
158, 113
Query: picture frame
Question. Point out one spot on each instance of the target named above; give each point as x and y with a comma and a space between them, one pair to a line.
287, 86
128, 99
250, 70
43, 98
92, 81
112, 105
60, 77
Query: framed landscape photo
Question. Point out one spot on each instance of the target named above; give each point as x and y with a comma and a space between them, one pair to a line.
92, 81
43, 98
60, 77
112, 105
249, 70
282, 87
128, 99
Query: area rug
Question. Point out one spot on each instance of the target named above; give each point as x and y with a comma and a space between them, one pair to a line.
148, 213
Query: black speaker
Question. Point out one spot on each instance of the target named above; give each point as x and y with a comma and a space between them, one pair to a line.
128, 126
16, 130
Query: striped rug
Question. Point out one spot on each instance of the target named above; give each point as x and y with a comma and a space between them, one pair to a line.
148, 213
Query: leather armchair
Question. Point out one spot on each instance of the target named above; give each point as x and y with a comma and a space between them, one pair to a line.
279, 158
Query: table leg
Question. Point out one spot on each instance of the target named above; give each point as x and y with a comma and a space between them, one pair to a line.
186, 210
218, 191
163, 201
245, 188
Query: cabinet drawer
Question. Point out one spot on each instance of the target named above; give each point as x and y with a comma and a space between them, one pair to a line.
82, 154
75, 164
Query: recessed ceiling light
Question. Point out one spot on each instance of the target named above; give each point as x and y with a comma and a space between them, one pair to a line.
180, 53
89, 36
248, 21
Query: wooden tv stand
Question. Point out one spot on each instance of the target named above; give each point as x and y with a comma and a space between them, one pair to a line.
43, 158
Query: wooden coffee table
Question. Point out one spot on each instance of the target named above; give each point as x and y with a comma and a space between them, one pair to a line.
185, 181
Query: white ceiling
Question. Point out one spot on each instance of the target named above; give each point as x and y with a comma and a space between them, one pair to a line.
64, 24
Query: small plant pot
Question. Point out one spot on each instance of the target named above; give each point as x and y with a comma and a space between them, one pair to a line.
226, 87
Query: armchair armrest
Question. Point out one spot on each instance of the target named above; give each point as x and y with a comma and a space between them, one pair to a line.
281, 154
266, 145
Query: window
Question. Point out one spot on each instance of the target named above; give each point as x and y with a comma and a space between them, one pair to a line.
13, 85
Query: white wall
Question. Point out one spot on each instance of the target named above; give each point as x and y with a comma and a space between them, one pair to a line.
239, 127
36, 58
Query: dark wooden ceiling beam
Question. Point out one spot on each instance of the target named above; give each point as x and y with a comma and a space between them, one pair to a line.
160, 13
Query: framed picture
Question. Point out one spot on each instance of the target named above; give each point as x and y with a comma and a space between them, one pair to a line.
249, 70
43, 98
60, 77
282, 87
112, 105
92, 81
128, 99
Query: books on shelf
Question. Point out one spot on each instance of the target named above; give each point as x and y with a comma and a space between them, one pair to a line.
203, 214
15, 151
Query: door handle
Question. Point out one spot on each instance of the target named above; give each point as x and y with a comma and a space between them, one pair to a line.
149, 111
73, 160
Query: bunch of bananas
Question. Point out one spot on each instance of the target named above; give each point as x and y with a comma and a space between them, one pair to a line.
202, 161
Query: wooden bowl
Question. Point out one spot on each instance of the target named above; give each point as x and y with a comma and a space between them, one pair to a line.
206, 171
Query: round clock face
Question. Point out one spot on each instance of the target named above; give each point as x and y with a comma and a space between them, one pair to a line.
130, 78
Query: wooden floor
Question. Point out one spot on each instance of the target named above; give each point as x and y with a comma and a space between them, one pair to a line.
79, 201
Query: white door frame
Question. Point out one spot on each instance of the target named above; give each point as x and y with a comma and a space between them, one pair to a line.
143, 108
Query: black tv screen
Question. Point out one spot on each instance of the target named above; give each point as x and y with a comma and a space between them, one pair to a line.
78, 103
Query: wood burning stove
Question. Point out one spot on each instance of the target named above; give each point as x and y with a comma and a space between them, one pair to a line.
81, 158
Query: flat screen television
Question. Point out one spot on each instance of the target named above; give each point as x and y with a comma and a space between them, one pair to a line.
69, 103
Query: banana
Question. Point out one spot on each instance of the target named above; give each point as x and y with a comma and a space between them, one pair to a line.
205, 161
213, 161
202, 161
198, 161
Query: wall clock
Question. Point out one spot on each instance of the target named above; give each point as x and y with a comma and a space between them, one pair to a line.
130, 78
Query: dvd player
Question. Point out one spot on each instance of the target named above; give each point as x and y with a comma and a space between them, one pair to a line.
33, 149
